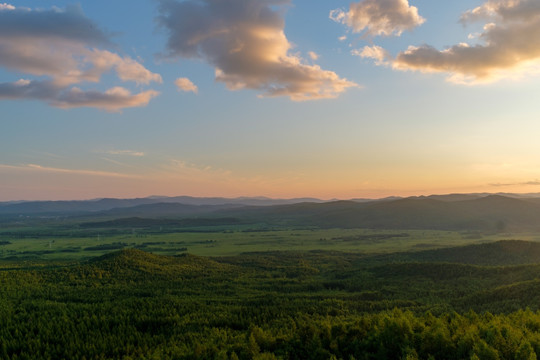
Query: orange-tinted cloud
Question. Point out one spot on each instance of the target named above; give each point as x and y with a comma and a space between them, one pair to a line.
509, 46
374, 52
379, 17
184, 84
245, 42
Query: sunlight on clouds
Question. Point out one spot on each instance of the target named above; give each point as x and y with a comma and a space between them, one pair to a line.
245, 42
60, 45
126, 68
379, 17
375, 52
510, 48
184, 84
114, 99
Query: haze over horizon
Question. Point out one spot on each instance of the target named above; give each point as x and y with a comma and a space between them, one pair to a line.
276, 98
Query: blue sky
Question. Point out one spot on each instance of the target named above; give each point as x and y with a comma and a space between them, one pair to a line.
383, 99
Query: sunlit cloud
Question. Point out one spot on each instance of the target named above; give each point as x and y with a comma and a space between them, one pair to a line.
245, 42
509, 46
374, 52
4, 6
114, 99
61, 47
379, 17
184, 84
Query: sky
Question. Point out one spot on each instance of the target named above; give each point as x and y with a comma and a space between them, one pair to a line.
278, 98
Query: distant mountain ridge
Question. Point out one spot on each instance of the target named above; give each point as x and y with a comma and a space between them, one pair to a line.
468, 212
105, 204
490, 213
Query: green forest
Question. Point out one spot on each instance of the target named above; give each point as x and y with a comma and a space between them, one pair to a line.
132, 304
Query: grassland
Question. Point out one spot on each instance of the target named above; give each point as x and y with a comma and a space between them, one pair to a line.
43, 243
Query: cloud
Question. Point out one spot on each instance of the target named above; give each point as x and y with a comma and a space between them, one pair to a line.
509, 46
530, 183
184, 84
126, 68
379, 17
62, 48
245, 42
4, 6
375, 52
313, 55
125, 152
47, 169
113, 100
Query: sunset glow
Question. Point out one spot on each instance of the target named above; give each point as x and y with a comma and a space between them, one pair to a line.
295, 98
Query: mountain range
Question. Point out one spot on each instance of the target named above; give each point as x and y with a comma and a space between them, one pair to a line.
473, 212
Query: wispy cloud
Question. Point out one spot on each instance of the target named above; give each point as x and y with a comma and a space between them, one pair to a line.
379, 17
313, 55
509, 48
531, 183
40, 168
125, 152
62, 48
245, 41
184, 84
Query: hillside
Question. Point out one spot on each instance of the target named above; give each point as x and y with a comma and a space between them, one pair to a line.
184, 203
500, 253
269, 305
490, 213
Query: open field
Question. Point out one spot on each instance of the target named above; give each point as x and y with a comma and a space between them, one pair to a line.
230, 242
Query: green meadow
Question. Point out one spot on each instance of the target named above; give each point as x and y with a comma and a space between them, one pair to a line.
42, 243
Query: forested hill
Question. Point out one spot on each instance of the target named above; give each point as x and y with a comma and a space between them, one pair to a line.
271, 305
500, 253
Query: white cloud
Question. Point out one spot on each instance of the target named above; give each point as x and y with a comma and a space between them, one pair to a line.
509, 48
184, 84
379, 17
245, 42
62, 45
375, 52
313, 55
5, 6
